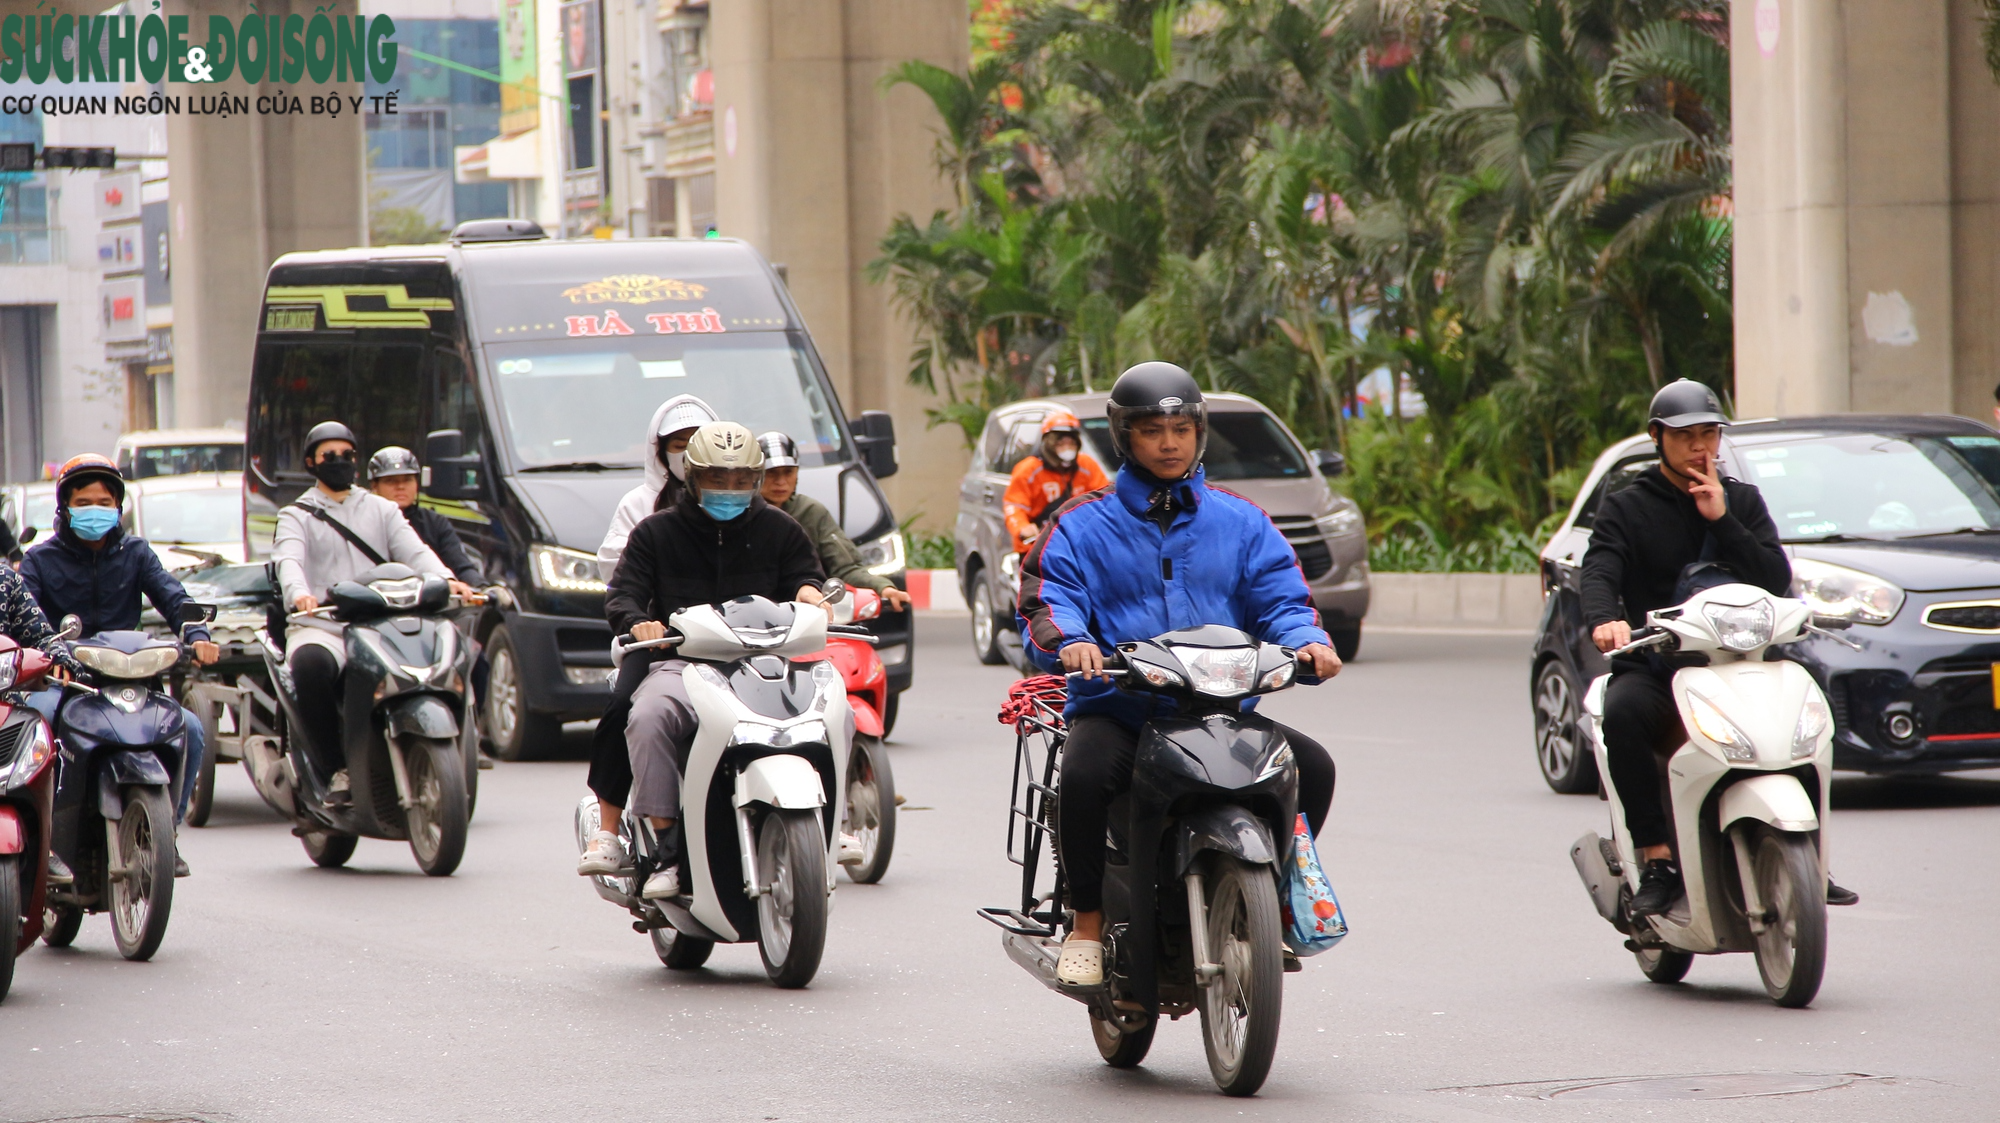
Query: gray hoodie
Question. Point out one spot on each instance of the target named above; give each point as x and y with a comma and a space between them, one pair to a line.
313, 557
638, 503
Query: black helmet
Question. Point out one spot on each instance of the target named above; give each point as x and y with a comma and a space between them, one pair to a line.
780, 451
1685, 402
327, 431
1155, 390
393, 460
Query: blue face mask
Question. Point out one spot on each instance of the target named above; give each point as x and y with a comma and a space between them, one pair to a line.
723, 506
92, 523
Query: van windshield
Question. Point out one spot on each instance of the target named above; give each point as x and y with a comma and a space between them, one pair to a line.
1241, 446
585, 403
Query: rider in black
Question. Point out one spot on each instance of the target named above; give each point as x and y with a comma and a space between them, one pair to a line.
1681, 513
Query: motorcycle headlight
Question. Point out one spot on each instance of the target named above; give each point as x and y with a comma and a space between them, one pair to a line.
1734, 743
1277, 678
1813, 720
28, 758
885, 555
827, 685
139, 665
1835, 590
1741, 627
1156, 675
402, 592
564, 571
1221, 672
10, 667
778, 736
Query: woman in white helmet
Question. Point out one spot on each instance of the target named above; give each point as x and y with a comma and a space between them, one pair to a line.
720, 540
666, 440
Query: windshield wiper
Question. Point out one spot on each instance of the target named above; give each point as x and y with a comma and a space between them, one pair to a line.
581, 466
1949, 533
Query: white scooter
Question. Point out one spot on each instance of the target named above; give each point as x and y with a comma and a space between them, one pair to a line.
1747, 793
762, 791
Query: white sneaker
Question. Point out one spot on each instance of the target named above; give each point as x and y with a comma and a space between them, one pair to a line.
851, 853
666, 883
604, 857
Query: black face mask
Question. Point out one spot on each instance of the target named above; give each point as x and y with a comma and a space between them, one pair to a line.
337, 475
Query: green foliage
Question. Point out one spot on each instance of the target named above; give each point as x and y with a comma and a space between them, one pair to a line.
401, 226
929, 550
1517, 208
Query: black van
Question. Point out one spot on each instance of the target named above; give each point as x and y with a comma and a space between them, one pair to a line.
525, 372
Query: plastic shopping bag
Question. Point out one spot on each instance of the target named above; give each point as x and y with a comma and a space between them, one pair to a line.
1313, 920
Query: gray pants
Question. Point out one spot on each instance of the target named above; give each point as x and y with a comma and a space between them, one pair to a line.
658, 737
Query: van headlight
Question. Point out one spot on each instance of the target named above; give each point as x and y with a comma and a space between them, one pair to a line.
1849, 594
564, 571
1346, 520
885, 555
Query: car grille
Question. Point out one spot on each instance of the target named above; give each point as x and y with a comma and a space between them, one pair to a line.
1967, 617
1299, 530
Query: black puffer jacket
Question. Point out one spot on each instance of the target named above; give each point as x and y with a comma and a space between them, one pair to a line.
681, 557
438, 533
1645, 534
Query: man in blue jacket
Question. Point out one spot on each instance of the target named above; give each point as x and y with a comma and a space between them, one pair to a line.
91, 568
1157, 551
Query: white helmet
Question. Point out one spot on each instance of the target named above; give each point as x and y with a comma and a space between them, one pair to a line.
684, 412
724, 444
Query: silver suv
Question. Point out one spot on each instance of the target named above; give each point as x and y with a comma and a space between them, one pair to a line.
1250, 452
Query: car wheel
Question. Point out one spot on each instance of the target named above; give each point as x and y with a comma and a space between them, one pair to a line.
985, 620
517, 732
1347, 641
1565, 758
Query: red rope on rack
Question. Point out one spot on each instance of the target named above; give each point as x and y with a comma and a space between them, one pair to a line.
1034, 700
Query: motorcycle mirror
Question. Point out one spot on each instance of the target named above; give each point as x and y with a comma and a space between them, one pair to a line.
1831, 623
72, 627
28, 534
834, 589
193, 612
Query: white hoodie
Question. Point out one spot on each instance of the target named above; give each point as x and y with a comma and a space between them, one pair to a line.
689, 411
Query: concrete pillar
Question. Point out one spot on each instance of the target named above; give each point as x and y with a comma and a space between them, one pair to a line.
813, 161
1865, 207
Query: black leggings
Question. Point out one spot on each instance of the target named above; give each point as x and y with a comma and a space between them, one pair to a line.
1097, 764
1641, 724
316, 681
610, 762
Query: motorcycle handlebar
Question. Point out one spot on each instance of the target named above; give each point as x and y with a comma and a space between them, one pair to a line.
1645, 637
627, 642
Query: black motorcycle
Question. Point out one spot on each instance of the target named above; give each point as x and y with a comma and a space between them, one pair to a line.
1194, 858
403, 720
122, 747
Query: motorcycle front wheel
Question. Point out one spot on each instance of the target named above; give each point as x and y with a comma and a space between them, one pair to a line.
437, 814
1122, 1048
680, 952
1791, 950
871, 808
1240, 1007
142, 892
60, 924
791, 913
10, 919
1664, 965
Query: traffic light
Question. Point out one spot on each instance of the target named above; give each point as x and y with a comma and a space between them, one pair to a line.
79, 158
17, 157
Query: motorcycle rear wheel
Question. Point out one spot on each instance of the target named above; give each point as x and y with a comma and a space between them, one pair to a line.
143, 898
871, 798
60, 924
1791, 951
202, 800
1122, 1048
1240, 1009
437, 813
10, 919
680, 952
791, 914
1664, 965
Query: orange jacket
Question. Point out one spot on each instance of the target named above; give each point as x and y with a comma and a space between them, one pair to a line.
1033, 489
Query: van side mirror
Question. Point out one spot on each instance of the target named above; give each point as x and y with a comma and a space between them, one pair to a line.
1330, 462
875, 438
453, 474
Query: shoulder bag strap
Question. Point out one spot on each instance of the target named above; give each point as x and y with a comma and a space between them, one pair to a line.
342, 529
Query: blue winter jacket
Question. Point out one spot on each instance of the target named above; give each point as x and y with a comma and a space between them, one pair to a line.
102, 586
1104, 571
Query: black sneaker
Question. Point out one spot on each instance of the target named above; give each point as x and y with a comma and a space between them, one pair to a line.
1835, 895
59, 872
1659, 888
180, 865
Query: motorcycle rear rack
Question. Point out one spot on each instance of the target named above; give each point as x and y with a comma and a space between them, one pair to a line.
1018, 922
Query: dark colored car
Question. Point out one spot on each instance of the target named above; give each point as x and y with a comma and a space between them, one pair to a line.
1892, 522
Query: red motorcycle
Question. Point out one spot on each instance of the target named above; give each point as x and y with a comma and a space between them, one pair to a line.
27, 800
871, 788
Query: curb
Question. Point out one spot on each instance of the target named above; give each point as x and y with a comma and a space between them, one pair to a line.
935, 590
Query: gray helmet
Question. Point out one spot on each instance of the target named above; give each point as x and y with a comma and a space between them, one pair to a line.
1685, 402
1154, 390
780, 451
393, 460
327, 431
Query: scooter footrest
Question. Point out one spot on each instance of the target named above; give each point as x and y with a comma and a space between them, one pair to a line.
1013, 920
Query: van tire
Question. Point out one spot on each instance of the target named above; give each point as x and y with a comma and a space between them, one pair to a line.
517, 733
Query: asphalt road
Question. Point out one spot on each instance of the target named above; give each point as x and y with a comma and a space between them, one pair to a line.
1477, 984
